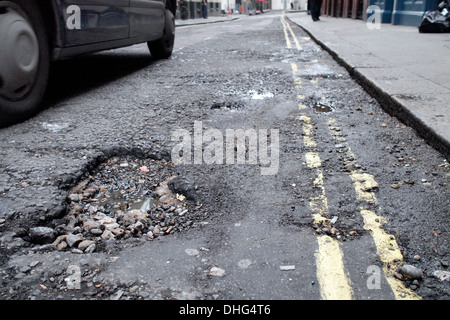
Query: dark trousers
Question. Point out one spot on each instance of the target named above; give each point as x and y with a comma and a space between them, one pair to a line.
204, 11
315, 7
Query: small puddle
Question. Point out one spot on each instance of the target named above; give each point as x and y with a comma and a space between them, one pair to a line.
260, 96
55, 127
123, 200
322, 107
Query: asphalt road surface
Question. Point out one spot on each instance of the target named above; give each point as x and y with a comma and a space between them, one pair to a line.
269, 174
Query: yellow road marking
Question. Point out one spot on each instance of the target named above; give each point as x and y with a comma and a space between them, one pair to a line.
331, 274
333, 281
287, 27
294, 69
363, 184
313, 160
387, 247
386, 244
288, 41
319, 204
297, 43
305, 119
307, 126
309, 142
334, 284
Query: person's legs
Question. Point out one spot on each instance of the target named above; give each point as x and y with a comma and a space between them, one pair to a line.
316, 7
319, 8
314, 15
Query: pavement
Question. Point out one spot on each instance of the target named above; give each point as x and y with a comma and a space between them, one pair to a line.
409, 72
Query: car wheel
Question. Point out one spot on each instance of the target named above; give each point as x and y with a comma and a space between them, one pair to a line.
162, 48
24, 60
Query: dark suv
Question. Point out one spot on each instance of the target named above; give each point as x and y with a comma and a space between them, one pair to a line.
35, 32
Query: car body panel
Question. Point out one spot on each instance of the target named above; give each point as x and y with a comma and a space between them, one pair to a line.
146, 17
100, 20
106, 24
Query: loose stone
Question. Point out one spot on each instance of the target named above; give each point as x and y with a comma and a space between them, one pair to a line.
411, 272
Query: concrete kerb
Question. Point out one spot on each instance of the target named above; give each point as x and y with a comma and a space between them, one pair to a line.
399, 110
388, 102
194, 22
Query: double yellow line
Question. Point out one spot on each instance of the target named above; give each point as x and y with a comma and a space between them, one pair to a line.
387, 247
333, 279
287, 27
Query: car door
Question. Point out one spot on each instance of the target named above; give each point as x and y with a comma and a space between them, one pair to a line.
146, 17
92, 21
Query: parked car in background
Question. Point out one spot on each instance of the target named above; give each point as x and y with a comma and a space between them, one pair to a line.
33, 33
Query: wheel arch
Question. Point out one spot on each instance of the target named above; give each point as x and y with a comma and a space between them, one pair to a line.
172, 6
52, 25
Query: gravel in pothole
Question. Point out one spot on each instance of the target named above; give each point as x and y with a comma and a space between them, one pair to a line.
127, 197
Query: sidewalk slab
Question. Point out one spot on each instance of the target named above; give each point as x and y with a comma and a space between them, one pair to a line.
407, 71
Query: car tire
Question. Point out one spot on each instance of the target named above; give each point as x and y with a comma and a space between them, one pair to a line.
24, 60
162, 48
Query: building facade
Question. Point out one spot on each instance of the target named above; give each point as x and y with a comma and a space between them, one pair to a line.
402, 12
288, 4
406, 12
192, 9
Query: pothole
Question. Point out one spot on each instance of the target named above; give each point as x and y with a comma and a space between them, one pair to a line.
228, 105
322, 104
126, 198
